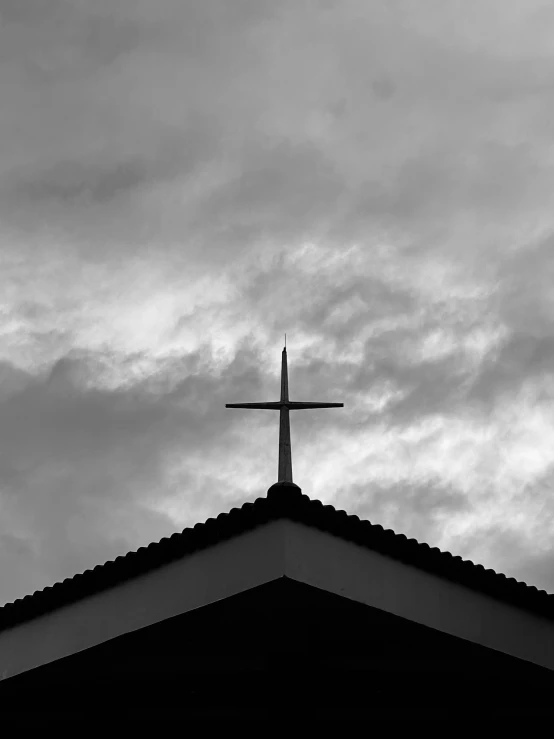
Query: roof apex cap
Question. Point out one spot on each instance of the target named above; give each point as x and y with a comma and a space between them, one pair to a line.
282, 491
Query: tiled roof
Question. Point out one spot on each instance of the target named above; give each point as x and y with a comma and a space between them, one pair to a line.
282, 501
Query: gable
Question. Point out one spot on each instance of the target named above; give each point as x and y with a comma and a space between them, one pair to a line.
284, 500
205, 576
364, 575
265, 553
290, 646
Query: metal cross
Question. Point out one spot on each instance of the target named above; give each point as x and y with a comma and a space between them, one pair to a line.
284, 406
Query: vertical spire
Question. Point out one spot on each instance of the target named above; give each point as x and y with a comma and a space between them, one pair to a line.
284, 406
284, 377
285, 453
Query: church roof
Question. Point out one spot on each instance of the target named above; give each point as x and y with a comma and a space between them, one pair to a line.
282, 501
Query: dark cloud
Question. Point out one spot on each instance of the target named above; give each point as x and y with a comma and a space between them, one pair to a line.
419, 511
535, 569
104, 38
284, 190
65, 37
75, 464
525, 277
75, 181
383, 87
31, 11
56, 419
410, 507
428, 388
83, 182
523, 358
22, 569
12, 380
510, 552
437, 181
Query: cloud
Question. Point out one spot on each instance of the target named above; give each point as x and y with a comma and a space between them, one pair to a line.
72, 181
83, 471
182, 183
280, 106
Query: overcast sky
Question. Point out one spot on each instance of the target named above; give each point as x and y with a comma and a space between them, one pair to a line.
182, 181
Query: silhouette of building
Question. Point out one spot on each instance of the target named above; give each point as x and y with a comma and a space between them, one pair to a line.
281, 608
284, 612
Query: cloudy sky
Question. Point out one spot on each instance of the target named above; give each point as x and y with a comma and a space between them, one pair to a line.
182, 181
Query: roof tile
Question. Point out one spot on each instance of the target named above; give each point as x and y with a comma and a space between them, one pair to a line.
281, 501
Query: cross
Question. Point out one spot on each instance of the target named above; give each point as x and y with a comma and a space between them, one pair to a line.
284, 405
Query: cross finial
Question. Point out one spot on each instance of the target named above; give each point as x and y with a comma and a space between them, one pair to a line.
284, 405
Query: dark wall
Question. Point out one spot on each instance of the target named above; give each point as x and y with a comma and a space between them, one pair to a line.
280, 652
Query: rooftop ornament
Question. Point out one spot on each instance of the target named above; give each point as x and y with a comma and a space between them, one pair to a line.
284, 405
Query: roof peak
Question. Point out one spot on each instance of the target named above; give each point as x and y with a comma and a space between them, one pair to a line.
284, 488
284, 500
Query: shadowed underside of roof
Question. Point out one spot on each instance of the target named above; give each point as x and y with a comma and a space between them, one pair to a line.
283, 649
282, 501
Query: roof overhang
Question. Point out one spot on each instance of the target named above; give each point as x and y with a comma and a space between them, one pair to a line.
278, 548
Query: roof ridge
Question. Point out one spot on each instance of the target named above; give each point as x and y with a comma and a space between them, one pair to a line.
282, 500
